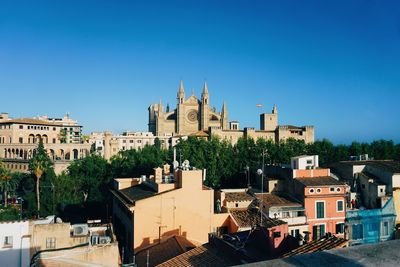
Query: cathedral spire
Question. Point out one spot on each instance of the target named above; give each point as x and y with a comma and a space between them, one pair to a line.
181, 93
205, 88
204, 95
224, 109
224, 117
181, 89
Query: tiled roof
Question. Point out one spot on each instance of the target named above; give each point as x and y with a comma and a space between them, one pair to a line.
137, 192
250, 217
320, 181
238, 196
203, 256
274, 200
164, 251
200, 134
324, 243
30, 121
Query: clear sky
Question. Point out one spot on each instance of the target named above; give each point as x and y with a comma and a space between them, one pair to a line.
331, 64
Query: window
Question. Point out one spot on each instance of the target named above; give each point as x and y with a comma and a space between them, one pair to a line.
357, 231
311, 191
381, 190
385, 228
339, 205
363, 186
54, 129
309, 161
124, 141
21, 140
286, 214
318, 190
54, 140
340, 228
236, 205
21, 126
131, 141
338, 189
320, 207
277, 234
8, 241
332, 189
50, 242
295, 233
318, 231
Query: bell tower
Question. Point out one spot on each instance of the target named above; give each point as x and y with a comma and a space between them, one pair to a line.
180, 112
204, 108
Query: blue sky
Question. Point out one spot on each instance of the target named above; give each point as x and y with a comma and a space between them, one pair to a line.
332, 64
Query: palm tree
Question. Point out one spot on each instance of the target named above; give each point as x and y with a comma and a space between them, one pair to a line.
7, 183
38, 165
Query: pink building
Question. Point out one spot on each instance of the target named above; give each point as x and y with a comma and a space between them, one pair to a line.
324, 200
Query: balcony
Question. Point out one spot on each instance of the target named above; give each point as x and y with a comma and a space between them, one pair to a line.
295, 220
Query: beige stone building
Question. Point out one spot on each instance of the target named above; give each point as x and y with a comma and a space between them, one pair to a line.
196, 117
269, 130
190, 116
107, 145
61, 137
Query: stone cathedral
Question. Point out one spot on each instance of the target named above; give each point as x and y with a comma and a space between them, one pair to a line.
191, 116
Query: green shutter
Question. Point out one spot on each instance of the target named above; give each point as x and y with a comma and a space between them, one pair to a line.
320, 210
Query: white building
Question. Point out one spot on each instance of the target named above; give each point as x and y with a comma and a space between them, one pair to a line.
14, 244
304, 162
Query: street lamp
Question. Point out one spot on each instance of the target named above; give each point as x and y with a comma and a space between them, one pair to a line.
261, 172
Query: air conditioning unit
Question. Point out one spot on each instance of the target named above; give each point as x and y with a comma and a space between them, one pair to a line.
104, 240
80, 229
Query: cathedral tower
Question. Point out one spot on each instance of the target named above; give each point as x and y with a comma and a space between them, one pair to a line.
180, 112
224, 117
205, 108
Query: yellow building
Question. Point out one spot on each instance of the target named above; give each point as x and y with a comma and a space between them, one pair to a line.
150, 209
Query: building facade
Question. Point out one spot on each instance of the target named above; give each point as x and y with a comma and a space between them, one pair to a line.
61, 138
371, 225
193, 116
107, 145
150, 209
190, 116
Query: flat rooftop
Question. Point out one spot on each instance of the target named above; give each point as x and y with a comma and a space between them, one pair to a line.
380, 254
386, 165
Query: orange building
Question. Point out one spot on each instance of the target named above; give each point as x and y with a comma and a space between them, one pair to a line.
324, 200
148, 210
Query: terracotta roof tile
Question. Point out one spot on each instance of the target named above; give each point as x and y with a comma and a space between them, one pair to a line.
324, 243
164, 251
250, 217
203, 256
238, 196
321, 181
274, 200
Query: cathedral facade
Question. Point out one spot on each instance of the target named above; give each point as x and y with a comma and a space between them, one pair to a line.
191, 116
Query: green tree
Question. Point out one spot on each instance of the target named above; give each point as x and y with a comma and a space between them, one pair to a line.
38, 165
91, 177
8, 183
